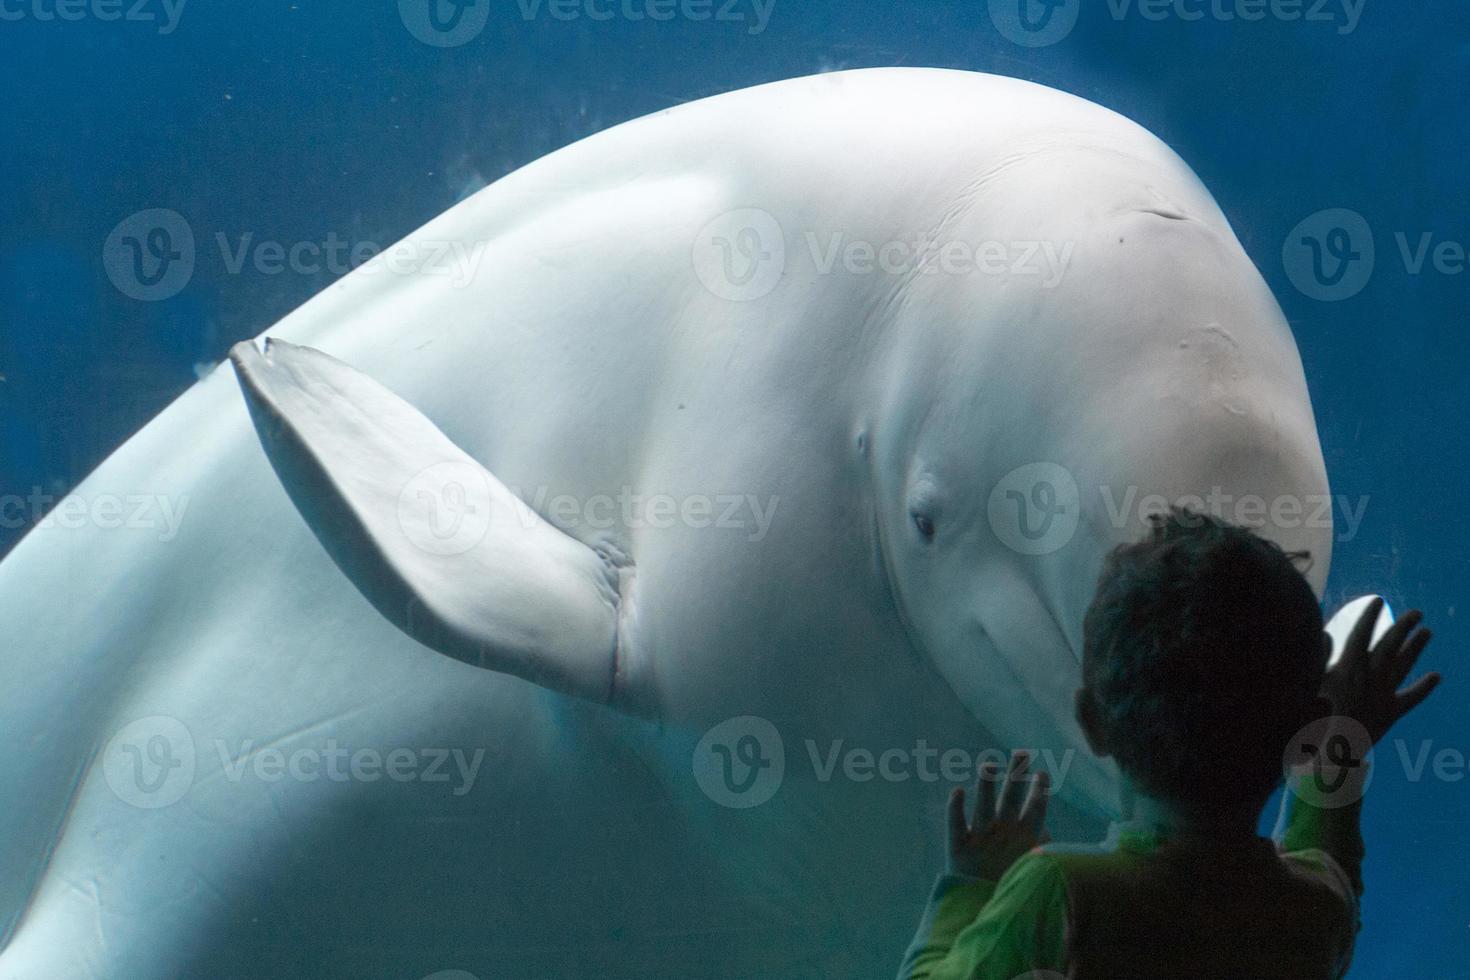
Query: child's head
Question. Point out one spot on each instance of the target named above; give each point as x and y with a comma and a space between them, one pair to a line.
1203, 653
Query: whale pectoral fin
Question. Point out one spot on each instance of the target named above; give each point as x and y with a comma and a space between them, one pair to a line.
433, 540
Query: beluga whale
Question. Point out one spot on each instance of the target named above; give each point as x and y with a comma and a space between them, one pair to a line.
625, 603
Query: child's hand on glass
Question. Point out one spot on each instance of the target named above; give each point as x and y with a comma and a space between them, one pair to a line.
1364, 683
1004, 828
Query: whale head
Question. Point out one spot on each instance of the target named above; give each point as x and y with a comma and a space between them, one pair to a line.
1039, 420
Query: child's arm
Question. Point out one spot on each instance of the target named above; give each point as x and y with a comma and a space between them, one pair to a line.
998, 911
1363, 688
1326, 802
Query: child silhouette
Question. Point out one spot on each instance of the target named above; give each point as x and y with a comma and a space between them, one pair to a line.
1203, 655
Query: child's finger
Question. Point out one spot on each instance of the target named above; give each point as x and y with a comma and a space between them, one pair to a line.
1402, 662
1412, 696
1033, 813
1011, 793
957, 826
1359, 639
985, 792
1393, 639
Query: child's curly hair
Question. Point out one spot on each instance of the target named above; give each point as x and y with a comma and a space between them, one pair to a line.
1202, 655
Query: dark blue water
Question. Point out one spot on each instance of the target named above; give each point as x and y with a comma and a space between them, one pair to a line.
318, 122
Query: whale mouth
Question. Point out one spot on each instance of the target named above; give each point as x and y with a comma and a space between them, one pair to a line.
887, 584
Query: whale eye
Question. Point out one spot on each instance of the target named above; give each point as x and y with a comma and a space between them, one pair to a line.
925, 525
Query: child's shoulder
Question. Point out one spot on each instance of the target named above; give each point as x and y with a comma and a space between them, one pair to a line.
1124, 854
1074, 849
1123, 841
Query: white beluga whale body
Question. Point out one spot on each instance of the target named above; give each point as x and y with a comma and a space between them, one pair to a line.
824, 400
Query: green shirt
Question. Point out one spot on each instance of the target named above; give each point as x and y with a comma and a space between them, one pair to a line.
1144, 905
